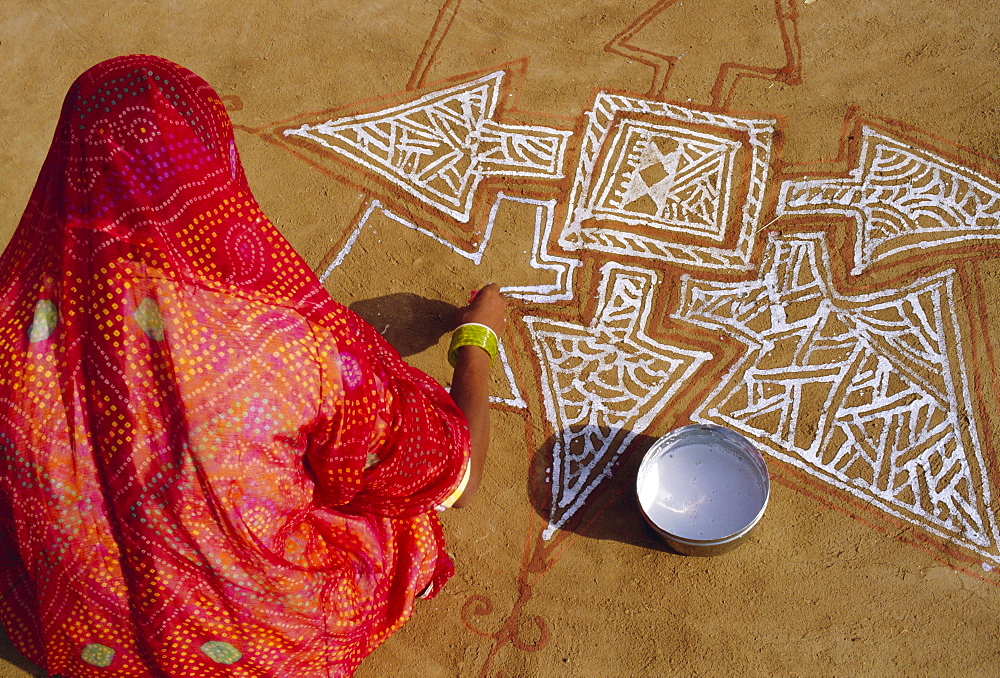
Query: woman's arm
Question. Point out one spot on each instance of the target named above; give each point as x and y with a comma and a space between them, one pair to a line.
470, 386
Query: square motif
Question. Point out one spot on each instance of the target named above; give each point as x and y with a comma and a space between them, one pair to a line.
663, 182
667, 177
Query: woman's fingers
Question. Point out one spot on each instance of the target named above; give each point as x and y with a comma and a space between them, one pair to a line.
487, 307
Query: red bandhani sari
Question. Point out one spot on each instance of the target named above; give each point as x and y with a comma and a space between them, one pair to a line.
209, 467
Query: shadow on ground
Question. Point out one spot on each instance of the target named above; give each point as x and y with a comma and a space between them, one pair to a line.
611, 512
408, 321
10, 655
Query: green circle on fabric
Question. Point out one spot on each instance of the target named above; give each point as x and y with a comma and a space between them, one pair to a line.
221, 653
44, 322
96, 654
149, 318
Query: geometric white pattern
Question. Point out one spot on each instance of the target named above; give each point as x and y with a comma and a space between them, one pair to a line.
901, 197
650, 173
868, 393
603, 384
440, 146
681, 177
513, 398
561, 267
376, 205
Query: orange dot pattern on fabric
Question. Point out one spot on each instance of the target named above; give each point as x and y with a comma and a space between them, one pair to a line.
209, 467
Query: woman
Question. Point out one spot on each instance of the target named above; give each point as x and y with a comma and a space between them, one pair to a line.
210, 468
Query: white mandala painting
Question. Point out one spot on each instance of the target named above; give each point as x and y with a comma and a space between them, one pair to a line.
868, 393
439, 147
603, 384
651, 174
901, 198
667, 177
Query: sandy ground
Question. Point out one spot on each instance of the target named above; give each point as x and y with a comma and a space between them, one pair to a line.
782, 217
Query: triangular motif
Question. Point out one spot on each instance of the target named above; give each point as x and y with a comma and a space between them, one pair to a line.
899, 195
895, 428
603, 384
439, 147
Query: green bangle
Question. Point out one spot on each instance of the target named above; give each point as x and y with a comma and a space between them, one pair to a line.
473, 334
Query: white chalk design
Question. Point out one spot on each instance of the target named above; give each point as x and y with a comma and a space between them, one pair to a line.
440, 146
603, 384
475, 256
562, 267
651, 173
868, 393
513, 398
901, 197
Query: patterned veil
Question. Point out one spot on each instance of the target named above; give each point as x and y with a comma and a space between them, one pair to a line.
209, 467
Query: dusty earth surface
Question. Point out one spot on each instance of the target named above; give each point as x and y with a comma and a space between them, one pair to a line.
780, 216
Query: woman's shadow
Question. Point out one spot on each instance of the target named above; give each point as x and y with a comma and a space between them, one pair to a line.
409, 322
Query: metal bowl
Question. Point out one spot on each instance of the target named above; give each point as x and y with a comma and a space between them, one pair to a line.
703, 489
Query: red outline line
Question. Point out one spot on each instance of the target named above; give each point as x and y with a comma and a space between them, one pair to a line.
848, 146
661, 64
516, 69
982, 354
787, 15
905, 532
790, 73
425, 60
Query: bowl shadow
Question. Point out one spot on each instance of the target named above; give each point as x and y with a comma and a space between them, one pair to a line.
611, 512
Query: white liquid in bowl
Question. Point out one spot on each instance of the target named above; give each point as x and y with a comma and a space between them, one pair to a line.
702, 488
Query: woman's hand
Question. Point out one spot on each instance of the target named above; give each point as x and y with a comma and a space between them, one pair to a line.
487, 307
